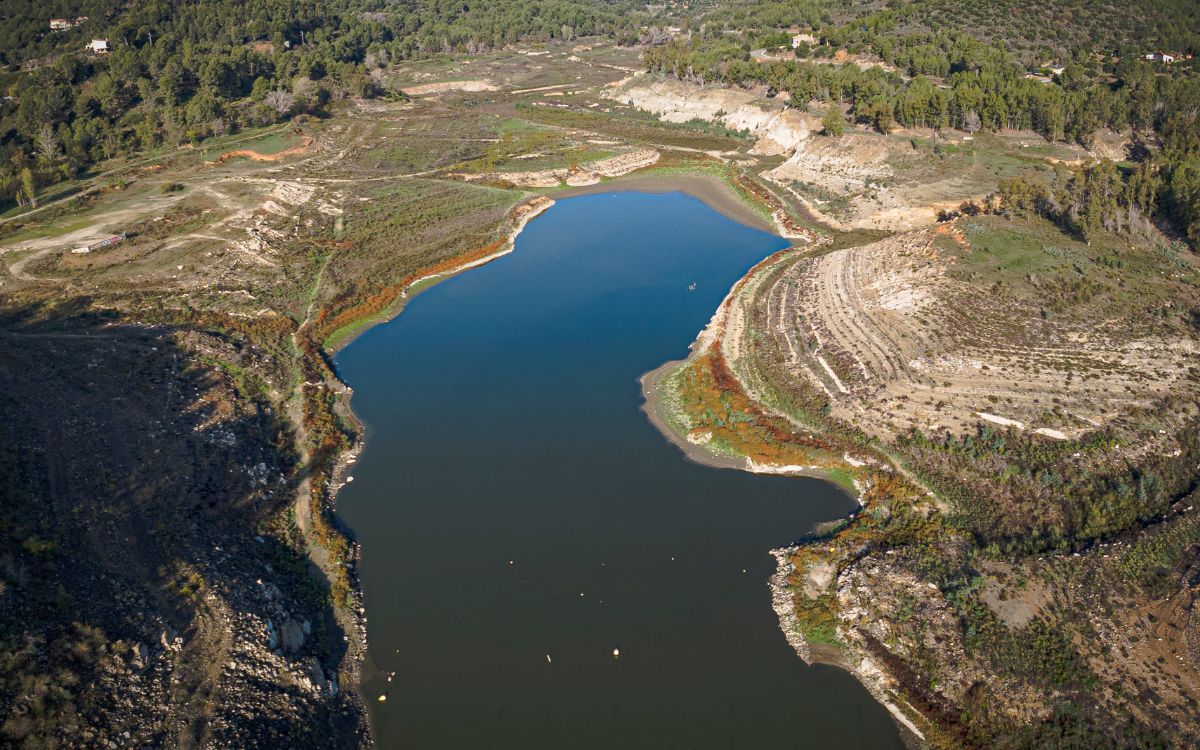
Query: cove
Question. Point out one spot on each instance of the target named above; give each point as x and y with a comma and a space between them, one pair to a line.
513, 503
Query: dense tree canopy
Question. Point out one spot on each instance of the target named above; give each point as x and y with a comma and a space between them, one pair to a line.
951, 79
184, 71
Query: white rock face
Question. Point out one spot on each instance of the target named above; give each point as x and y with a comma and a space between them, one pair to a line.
843, 165
785, 132
857, 166
778, 129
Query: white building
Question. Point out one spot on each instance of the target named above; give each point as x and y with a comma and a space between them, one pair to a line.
98, 47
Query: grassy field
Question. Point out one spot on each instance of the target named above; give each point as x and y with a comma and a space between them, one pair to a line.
273, 143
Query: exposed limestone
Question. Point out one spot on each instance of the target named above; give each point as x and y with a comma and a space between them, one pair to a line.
427, 89
779, 129
860, 325
586, 174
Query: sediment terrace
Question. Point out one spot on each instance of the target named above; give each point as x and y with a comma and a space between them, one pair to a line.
896, 341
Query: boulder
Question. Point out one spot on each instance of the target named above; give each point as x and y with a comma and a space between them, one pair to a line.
292, 635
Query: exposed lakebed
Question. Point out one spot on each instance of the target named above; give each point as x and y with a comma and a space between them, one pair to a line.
514, 504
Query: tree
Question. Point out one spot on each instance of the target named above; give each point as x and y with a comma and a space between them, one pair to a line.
1181, 196
47, 142
833, 123
171, 81
879, 114
260, 89
111, 95
282, 101
29, 186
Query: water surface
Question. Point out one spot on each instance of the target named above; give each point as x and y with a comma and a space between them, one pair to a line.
514, 504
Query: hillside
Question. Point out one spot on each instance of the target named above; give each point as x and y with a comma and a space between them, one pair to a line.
167, 75
1032, 32
1007, 381
987, 326
1026, 469
174, 436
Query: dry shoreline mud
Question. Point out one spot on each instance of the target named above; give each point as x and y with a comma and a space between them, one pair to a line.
653, 408
709, 189
533, 208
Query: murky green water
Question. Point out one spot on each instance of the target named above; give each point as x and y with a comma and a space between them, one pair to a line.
520, 518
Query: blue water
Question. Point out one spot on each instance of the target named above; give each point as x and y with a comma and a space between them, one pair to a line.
514, 503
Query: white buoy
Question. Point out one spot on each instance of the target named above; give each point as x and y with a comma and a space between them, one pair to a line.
616, 653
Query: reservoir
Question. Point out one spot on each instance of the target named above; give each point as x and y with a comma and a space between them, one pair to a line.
520, 518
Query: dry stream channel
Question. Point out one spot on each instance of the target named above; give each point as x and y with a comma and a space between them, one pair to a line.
521, 519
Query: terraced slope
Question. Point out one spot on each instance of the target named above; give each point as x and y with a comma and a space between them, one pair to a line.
898, 337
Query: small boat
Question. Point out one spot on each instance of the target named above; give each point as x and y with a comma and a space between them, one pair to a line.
692, 287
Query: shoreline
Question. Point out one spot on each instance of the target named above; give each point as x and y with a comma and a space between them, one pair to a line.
707, 188
783, 597
710, 189
357, 661
652, 407
535, 207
